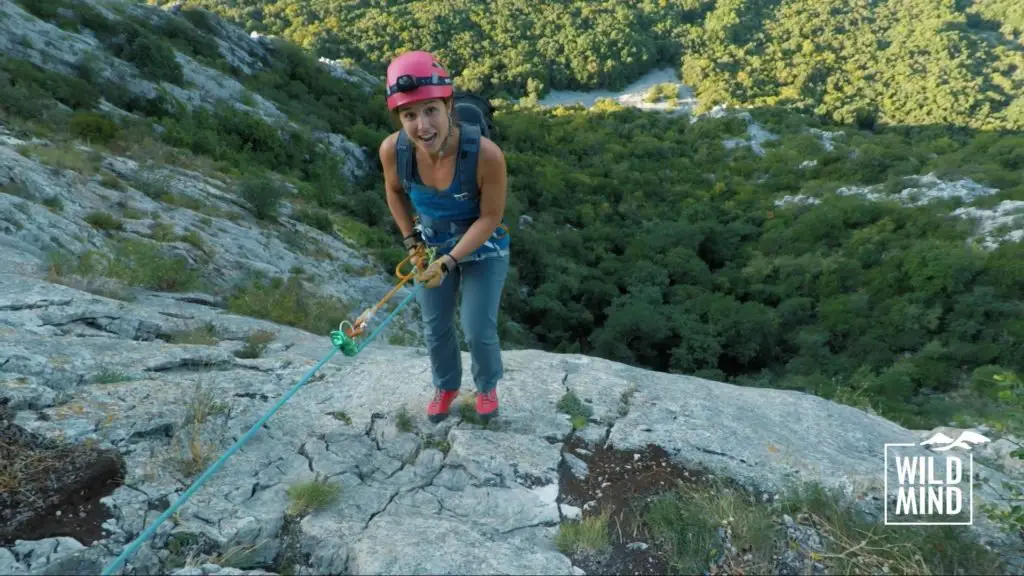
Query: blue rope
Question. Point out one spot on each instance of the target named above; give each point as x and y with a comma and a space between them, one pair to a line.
148, 533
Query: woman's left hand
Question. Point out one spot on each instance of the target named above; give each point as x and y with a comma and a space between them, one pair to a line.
435, 274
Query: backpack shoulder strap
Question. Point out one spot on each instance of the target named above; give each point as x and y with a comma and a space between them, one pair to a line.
405, 158
469, 152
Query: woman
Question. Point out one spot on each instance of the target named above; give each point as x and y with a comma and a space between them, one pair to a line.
456, 181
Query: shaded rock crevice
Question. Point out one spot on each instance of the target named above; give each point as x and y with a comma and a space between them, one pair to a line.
36, 305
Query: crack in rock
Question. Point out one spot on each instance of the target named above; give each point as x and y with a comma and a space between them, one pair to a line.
44, 303
176, 315
717, 453
305, 453
545, 524
253, 396
382, 510
195, 365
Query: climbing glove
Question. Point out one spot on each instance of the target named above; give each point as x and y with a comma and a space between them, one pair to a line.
437, 271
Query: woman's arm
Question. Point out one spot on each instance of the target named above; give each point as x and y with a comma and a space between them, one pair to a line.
493, 181
398, 202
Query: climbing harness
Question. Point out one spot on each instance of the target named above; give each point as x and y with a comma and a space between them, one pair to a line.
342, 339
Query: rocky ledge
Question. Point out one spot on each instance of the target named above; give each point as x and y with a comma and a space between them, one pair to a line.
348, 476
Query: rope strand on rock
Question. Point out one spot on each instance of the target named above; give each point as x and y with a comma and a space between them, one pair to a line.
342, 340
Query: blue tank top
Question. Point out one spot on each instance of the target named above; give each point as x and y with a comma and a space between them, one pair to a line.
445, 215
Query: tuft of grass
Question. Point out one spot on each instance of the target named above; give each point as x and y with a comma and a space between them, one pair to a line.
403, 421
110, 180
342, 416
203, 405
626, 399
578, 410
587, 535
153, 184
109, 376
205, 335
192, 450
311, 496
315, 217
104, 221
163, 232
441, 444
685, 524
255, 344
467, 409
854, 544
54, 204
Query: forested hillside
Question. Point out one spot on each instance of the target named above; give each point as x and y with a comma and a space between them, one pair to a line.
908, 61
654, 244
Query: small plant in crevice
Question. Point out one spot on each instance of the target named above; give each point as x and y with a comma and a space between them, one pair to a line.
196, 443
625, 399
110, 376
467, 410
104, 221
311, 496
440, 444
342, 416
403, 421
579, 411
205, 335
255, 344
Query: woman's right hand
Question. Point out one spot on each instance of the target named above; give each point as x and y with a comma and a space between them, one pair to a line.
415, 248
418, 257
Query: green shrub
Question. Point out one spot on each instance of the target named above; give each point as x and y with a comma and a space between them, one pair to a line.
201, 19
27, 87
315, 217
264, 194
185, 36
133, 262
152, 55
104, 221
93, 127
290, 303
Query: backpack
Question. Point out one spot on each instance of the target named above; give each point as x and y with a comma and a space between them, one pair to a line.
475, 115
473, 109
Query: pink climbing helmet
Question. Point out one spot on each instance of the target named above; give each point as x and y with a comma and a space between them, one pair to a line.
416, 76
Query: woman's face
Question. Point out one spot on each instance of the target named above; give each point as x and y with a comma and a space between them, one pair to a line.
426, 123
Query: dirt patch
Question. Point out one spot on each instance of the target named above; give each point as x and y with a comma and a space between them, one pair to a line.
620, 484
50, 488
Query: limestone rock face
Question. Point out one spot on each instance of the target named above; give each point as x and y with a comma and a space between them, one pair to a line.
85, 369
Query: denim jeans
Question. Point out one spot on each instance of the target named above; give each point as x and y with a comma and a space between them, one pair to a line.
481, 282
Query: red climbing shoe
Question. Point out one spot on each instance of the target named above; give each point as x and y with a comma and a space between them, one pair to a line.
437, 410
487, 405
